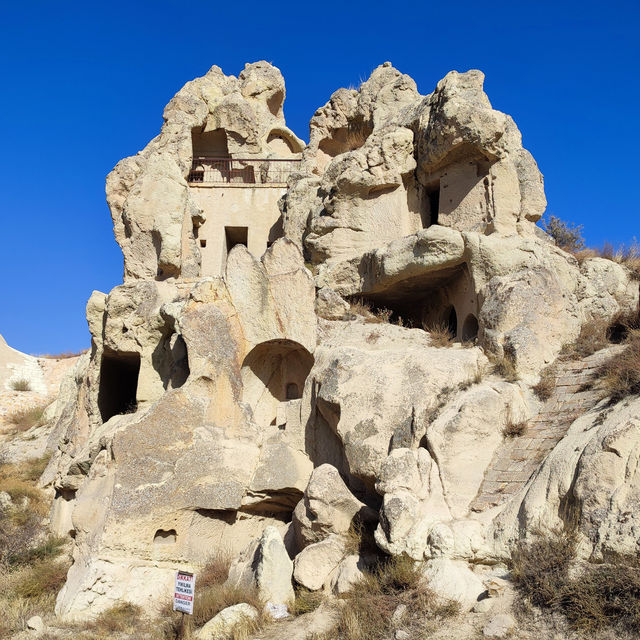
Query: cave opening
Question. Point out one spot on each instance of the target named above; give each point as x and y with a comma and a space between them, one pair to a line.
118, 388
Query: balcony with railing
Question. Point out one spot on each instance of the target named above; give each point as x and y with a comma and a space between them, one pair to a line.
241, 171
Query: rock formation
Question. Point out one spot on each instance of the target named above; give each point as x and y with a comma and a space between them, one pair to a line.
237, 395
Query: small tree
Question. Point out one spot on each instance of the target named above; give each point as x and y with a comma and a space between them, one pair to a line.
567, 235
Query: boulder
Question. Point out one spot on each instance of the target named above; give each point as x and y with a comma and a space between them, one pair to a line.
35, 624
273, 569
453, 580
502, 625
328, 507
331, 306
314, 564
348, 573
222, 625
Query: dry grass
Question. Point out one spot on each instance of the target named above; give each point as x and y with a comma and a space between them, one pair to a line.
592, 338
568, 237
357, 134
600, 596
122, 617
367, 614
514, 429
540, 568
505, 367
41, 578
306, 601
440, 334
65, 355
370, 314
32, 570
20, 384
626, 255
212, 596
25, 419
620, 375
546, 385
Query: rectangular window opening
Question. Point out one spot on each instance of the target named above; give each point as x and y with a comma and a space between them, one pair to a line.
236, 235
433, 198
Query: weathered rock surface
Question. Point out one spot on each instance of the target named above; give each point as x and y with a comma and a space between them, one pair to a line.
590, 475
221, 626
327, 507
315, 563
265, 412
274, 569
453, 580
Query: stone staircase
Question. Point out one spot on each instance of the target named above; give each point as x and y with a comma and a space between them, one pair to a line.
518, 458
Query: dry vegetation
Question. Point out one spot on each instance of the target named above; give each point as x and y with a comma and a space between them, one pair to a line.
568, 237
505, 367
20, 384
65, 355
25, 419
357, 134
514, 429
440, 334
212, 596
369, 313
620, 375
591, 598
547, 383
368, 609
32, 568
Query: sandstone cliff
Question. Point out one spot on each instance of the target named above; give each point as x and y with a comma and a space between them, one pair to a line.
261, 403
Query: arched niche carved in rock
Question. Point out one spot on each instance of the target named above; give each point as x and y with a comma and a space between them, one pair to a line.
470, 328
274, 372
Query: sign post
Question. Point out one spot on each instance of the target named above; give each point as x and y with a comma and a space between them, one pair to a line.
183, 594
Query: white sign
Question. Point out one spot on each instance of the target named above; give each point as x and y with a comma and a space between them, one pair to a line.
184, 591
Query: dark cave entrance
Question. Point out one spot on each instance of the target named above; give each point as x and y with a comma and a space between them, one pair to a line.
118, 383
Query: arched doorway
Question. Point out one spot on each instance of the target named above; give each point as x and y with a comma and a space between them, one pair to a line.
451, 321
470, 328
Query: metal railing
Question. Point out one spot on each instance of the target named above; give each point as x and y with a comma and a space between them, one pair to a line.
210, 170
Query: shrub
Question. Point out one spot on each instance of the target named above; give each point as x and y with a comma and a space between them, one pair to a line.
216, 570
592, 338
20, 384
440, 334
598, 597
370, 314
372, 601
514, 429
627, 255
123, 616
24, 419
546, 385
43, 577
306, 601
540, 569
567, 235
603, 596
21, 523
50, 548
505, 367
620, 374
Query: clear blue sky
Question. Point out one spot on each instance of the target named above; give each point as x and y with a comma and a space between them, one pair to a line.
84, 84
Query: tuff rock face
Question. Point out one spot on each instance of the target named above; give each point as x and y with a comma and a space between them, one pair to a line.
250, 407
